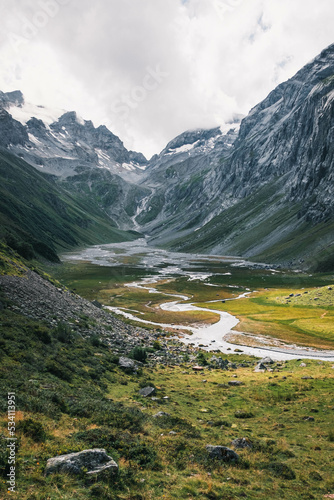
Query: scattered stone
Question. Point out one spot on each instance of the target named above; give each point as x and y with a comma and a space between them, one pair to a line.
307, 378
198, 368
96, 303
260, 367
243, 414
94, 461
147, 391
267, 361
235, 382
302, 365
222, 453
127, 363
242, 443
172, 433
219, 362
161, 414
308, 419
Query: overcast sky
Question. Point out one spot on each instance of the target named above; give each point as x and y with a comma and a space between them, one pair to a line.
151, 69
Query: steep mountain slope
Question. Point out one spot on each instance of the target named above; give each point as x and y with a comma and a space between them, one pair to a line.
38, 217
182, 181
262, 189
278, 179
92, 161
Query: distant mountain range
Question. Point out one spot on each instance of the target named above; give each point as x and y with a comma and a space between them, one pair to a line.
260, 187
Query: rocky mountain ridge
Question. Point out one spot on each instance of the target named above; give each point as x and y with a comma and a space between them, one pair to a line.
256, 188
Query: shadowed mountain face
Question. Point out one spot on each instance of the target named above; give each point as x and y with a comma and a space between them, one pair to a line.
272, 191
262, 188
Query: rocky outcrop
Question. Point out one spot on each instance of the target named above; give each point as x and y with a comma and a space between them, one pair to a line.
94, 462
147, 391
222, 453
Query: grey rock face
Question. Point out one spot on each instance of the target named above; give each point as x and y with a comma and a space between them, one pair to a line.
95, 461
235, 382
161, 414
147, 391
219, 362
222, 453
242, 443
260, 367
127, 363
267, 361
11, 131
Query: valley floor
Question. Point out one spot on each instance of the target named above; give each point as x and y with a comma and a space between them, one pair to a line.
61, 356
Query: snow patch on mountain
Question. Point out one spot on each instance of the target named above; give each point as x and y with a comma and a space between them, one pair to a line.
27, 111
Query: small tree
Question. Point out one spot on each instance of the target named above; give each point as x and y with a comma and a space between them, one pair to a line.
201, 359
139, 354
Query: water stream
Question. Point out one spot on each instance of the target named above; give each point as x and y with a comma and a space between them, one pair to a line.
161, 265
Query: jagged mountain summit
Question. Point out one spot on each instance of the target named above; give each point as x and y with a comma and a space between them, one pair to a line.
58, 141
261, 187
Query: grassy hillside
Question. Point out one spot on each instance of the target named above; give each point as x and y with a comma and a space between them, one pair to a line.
71, 396
38, 217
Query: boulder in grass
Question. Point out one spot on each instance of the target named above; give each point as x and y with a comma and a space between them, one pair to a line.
147, 391
260, 367
161, 414
222, 453
235, 382
267, 361
242, 443
94, 462
127, 363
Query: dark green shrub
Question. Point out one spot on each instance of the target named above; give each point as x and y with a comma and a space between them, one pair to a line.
280, 469
176, 424
59, 371
33, 429
3, 456
139, 354
201, 359
156, 345
43, 334
95, 341
243, 414
63, 333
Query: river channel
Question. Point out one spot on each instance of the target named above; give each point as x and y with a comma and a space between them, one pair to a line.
153, 265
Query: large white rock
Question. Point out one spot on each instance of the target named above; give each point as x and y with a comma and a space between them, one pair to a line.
94, 461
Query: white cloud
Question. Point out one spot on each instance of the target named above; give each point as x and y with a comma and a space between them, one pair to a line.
213, 58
